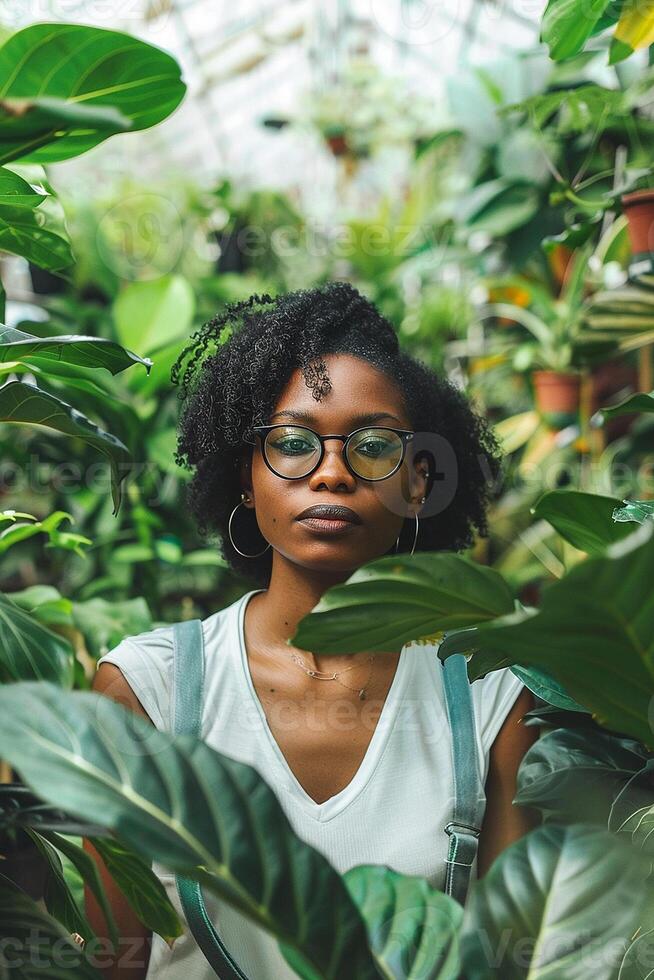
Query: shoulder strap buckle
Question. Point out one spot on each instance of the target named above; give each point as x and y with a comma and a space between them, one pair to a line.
475, 831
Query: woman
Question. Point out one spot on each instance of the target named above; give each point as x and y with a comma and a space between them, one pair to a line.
356, 746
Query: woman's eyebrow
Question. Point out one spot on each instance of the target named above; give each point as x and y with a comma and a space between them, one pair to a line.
367, 418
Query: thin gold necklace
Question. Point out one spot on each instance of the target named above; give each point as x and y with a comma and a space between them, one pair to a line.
324, 675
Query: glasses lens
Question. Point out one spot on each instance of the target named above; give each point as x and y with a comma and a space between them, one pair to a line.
292, 451
375, 453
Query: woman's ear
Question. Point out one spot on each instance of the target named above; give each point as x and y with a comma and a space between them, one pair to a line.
245, 472
419, 480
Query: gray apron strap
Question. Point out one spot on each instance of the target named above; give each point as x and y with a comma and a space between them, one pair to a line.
469, 798
188, 688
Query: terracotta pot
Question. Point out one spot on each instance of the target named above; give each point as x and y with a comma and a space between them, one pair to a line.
638, 207
557, 396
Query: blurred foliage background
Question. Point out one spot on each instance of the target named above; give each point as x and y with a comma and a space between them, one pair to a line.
475, 197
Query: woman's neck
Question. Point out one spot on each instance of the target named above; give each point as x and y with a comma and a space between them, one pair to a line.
293, 592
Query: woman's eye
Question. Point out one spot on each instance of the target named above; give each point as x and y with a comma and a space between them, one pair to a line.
292, 447
373, 447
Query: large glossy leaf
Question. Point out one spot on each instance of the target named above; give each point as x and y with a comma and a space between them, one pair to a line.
141, 886
594, 632
633, 812
561, 903
405, 914
92, 390
575, 775
15, 192
29, 123
37, 947
22, 234
583, 519
25, 403
72, 349
544, 686
23, 230
566, 25
177, 801
150, 315
89, 66
393, 600
639, 402
29, 651
551, 716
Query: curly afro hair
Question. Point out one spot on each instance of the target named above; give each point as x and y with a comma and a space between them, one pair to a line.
242, 378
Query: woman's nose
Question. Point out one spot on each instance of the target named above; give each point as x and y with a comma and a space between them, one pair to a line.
332, 470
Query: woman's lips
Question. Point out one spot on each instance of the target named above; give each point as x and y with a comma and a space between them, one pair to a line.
330, 526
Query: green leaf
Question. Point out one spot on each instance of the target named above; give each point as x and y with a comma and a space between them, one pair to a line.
98, 68
550, 902
574, 775
38, 939
142, 888
635, 29
499, 206
20, 531
29, 123
639, 402
575, 235
544, 686
45, 604
579, 108
22, 234
26, 404
29, 651
413, 929
90, 352
15, 192
594, 633
566, 25
633, 812
89, 873
104, 624
150, 315
177, 801
57, 895
393, 600
583, 519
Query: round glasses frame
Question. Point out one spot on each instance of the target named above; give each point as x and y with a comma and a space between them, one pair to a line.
262, 431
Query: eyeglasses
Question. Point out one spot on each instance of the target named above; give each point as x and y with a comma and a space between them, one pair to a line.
295, 451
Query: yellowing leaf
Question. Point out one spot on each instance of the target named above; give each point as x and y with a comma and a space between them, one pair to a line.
635, 29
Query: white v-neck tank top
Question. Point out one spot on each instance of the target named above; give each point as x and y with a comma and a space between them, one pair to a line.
392, 812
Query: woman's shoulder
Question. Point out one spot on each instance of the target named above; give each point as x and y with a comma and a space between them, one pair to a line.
493, 696
146, 660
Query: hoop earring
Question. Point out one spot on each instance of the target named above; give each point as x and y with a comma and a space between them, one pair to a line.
415, 536
229, 532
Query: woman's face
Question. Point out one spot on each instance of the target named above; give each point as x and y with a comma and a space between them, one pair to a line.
360, 395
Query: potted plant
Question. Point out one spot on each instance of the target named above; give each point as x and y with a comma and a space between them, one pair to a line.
549, 355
